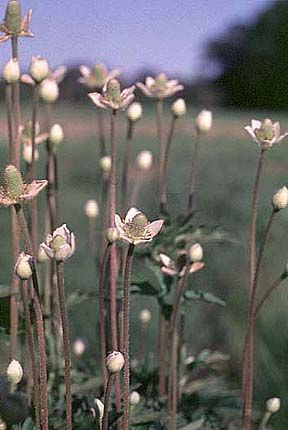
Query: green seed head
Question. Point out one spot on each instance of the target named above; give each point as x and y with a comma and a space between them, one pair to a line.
266, 131
13, 181
161, 82
57, 242
137, 228
13, 19
113, 91
99, 73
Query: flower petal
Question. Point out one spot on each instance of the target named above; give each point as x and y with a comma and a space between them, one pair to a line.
167, 271
33, 189
131, 214
149, 81
85, 71
47, 250
195, 267
119, 224
144, 89
165, 260
155, 227
98, 99
255, 124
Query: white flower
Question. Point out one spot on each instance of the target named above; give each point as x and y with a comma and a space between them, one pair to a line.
49, 90
134, 112
27, 154
98, 411
160, 87
136, 228
266, 134
39, 68
273, 405
144, 160
280, 199
14, 372
96, 76
134, 398
11, 71
112, 235
105, 163
24, 266
91, 209
115, 361
79, 347
178, 108
60, 245
204, 121
145, 316
56, 134
196, 253
112, 97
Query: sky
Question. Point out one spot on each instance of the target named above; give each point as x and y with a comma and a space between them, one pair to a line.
163, 35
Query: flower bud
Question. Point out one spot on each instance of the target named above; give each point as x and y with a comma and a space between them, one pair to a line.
56, 135
112, 235
145, 316
273, 405
39, 69
24, 266
280, 199
134, 112
11, 71
105, 163
42, 256
14, 372
178, 108
115, 362
144, 160
79, 347
196, 253
27, 154
98, 411
49, 91
204, 121
91, 209
134, 398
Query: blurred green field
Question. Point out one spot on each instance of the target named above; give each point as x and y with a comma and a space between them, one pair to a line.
227, 169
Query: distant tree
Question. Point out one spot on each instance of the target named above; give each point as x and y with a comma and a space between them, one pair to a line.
253, 61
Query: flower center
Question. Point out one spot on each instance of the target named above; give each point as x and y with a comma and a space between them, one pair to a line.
57, 242
13, 182
266, 131
13, 17
161, 82
113, 91
137, 228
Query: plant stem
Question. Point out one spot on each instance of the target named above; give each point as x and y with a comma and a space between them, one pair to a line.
66, 342
29, 334
163, 338
173, 380
270, 290
113, 256
126, 306
265, 420
105, 421
125, 166
159, 121
163, 182
102, 313
101, 133
248, 365
194, 171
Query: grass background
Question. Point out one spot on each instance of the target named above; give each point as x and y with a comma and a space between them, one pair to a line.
227, 167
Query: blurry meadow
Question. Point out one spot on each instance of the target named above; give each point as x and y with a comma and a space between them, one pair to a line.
208, 352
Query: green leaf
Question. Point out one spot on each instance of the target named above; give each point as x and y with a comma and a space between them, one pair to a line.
203, 297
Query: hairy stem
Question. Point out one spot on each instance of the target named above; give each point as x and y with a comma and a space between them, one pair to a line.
194, 171
163, 338
125, 166
105, 422
126, 314
66, 342
270, 290
163, 182
159, 121
101, 133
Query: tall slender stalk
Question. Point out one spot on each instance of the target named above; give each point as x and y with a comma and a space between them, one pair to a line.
248, 365
102, 316
194, 170
101, 133
173, 380
126, 315
163, 338
125, 166
66, 342
33, 361
270, 290
159, 121
113, 255
163, 182
105, 422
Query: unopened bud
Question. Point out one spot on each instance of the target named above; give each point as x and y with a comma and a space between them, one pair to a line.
280, 199
134, 398
196, 253
98, 412
56, 134
39, 69
134, 112
11, 71
14, 372
204, 121
27, 154
24, 266
105, 163
115, 362
79, 347
49, 91
144, 160
112, 235
273, 405
91, 209
145, 316
178, 108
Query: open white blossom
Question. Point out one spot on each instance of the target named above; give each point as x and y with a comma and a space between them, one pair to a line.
112, 97
60, 245
266, 133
